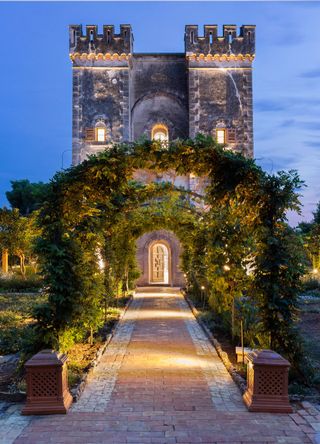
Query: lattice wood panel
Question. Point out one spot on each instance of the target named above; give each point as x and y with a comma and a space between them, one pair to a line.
270, 382
44, 384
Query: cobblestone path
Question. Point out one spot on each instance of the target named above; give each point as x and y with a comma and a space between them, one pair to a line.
161, 381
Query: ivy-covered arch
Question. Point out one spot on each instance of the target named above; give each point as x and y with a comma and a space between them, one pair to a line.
235, 239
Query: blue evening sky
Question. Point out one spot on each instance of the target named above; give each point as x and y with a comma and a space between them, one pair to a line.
35, 78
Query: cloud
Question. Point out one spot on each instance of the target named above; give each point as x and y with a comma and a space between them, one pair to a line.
287, 123
313, 126
312, 74
268, 105
312, 143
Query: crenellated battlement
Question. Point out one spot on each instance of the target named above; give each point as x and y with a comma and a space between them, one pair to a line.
228, 43
93, 43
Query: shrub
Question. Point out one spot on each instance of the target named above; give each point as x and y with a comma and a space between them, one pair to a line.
11, 332
16, 283
311, 283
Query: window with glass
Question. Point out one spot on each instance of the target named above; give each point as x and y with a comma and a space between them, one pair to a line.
101, 134
221, 135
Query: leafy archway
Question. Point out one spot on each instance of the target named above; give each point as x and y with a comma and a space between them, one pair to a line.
234, 235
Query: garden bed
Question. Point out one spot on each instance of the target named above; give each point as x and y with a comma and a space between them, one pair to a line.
16, 320
309, 326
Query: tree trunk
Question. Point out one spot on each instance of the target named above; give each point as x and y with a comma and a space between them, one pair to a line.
91, 336
232, 319
5, 262
22, 265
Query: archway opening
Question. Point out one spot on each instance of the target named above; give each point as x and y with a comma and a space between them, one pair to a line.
238, 219
160, 133
159, 263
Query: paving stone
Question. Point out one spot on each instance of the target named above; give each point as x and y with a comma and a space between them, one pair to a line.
160, 381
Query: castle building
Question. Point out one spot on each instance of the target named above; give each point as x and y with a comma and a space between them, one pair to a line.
120, 96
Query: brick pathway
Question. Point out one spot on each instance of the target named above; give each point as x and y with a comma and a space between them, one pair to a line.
161, 381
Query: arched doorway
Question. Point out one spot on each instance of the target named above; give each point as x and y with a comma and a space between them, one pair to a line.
167, 257
159, 263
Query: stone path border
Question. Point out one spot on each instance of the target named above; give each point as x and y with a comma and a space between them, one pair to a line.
77, 392
101, 380
238, 379
168, 386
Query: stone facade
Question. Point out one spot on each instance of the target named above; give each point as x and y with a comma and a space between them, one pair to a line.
206, 88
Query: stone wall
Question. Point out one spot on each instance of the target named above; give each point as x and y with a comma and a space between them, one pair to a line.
208, 86
159, 94
220, 95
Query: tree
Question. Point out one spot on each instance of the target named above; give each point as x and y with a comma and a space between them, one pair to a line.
241, 219
316, 215
17, 236
310, 235
27, 196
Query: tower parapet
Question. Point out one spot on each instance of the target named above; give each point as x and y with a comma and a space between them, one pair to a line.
228, 44
106, 43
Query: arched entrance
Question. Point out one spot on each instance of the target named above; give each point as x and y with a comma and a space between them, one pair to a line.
159, 263
158, 257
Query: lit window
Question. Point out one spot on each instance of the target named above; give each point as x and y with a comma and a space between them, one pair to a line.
101, 134
160, 134
221, 135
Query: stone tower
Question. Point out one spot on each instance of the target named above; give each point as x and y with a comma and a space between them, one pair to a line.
119, 96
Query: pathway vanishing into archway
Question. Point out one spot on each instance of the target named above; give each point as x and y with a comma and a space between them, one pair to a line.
161, 381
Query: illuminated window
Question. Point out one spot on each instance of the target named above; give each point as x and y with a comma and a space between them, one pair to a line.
221, 135
100, 134
160, 134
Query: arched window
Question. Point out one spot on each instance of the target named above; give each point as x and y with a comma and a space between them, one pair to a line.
221, 135
101, 134
160, 133
100, 131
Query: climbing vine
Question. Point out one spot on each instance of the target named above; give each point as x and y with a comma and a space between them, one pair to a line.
236, 243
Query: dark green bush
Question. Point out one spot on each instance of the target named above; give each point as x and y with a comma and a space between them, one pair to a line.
19, 284
311, 284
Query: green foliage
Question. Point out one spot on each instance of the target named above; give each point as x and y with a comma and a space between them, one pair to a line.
316, 215
310, 283
17, 235
25, 196
16, 324
13, 283
309, 233
237, 247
